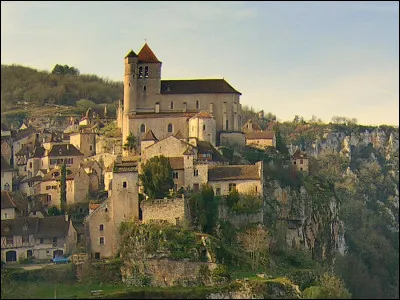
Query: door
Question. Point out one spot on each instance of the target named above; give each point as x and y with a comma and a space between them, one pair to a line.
57, 253
11, 255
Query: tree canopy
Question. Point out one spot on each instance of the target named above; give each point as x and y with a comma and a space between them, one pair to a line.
156, 177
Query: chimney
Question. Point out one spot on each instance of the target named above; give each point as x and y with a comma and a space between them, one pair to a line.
184, 107
157, 107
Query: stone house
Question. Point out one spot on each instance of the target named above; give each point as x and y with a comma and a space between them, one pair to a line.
164, 106
34, 161
261, 139
94, 170
40, 238
7, 174
102, 224
249, 127
299, 161
85, 142
62, 153
77, 186
12, 205
22, 137
31, 186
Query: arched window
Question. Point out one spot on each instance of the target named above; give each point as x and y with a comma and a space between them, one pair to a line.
169, 129
172, 105
142, 128
140, 72
146, 72
197, 104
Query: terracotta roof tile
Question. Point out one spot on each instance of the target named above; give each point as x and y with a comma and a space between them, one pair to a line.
146, 55
238, 172
197, 86
259, 135
203, 114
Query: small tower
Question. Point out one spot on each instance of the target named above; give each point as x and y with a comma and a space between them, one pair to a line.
202, 126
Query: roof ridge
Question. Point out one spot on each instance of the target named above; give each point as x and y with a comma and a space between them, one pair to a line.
147, 55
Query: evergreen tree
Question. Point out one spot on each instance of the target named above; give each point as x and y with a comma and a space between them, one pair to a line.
63, 187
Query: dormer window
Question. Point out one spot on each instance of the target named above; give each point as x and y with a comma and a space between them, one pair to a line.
140, 72
146, 72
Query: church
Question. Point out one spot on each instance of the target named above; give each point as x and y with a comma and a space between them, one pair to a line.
199, 109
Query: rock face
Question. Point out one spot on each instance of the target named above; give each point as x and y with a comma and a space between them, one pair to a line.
315, 226
279, 288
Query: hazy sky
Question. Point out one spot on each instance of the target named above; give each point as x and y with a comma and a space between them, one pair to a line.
289, 58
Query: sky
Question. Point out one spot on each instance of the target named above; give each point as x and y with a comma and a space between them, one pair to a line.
320, 59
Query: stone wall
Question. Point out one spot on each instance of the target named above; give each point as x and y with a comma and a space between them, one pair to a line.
240, 220
166, 272
171, 210
230, 139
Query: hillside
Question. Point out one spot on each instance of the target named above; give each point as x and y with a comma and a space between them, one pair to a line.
21, 84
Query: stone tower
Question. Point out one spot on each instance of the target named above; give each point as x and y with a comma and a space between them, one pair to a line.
130, 92
149, 76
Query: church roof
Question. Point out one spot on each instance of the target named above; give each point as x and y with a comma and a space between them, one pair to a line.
197, 86
146, 55
131, 54
204, 115
149, 136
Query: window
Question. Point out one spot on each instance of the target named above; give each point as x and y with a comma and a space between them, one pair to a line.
140, 72
301, 161
218, 191
169, 129
175, 174
256, 189
196, 187
232, 187
124, 184
34, 213
294, 162
197, 104
41, 241
5, 215
54, 241
102, 240
204, 127
101, 227
195, 172
171, 105
301, 169
30, 165
226, 124
97, 255
142, 128
90, 148
144, 88
146, 72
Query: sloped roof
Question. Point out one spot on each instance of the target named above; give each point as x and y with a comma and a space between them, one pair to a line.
5, 166
149, 136
238, 172
146, 55
189, 151
125, 166
24, 133
299, 154
197, 86
71, 173
19, 226
163, 115
64, 150
204, 115
55, 226
260, 135
254, 126
176, 163
32, 179
179, 134
38, 152
207, 147
6, 200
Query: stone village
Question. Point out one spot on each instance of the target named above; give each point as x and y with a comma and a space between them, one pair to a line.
186, 121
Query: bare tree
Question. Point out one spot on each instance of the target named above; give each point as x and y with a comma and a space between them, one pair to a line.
255, 241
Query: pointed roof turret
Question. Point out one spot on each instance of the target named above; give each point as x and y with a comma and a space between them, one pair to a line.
146, 55
131, 54
149, 136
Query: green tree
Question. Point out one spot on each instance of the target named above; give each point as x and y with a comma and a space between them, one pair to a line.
63, 188
130, 144
156, 177
331, 287
54, 211
65, 70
